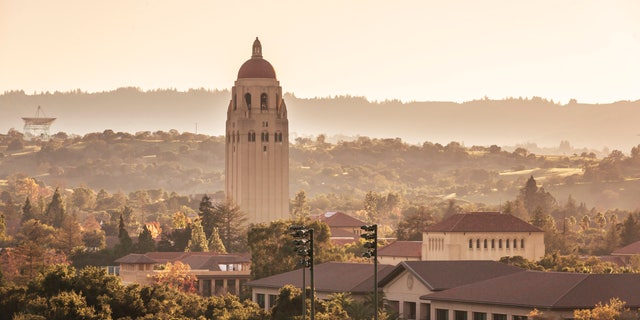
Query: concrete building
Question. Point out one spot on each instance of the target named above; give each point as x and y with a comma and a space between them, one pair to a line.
399, 251
216, 274
257, 142
513, 296
482, 236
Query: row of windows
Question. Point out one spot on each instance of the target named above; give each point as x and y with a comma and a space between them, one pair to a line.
443, 314
261, 300
492, 243
264, 101
251, 137
436, 244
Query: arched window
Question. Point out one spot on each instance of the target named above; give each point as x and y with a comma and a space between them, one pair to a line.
506, 242
262, 137
485, 243
470, 243
263, 102
478, 243
247, 100
266, 137
521, 243
251, 137
493, 243
500, 244
515, 243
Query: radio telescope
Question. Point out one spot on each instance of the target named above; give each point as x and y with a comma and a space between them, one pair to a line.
37, 128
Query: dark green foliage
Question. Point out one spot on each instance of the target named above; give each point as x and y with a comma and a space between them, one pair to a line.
208, 217
55, 213
145, 241
413, 222
630, 230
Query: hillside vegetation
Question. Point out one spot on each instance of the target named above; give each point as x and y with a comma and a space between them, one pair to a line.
336, 176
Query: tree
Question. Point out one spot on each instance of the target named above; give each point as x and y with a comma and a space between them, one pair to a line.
198, 241
534, 197
34, 240
413, 222
94, 240
3, 228
231, 225
176, 275
371, 206
611, 310
28, 211
630, 232
125, 245
145, 241
215, 243
69, 235
300, 208
55, 213
207, 214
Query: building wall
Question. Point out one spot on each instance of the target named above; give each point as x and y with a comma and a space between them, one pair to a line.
512, 313
257, 172
393, 260
456, 246
404, 292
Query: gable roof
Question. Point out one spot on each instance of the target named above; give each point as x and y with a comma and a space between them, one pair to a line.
195, 260
336, 219
329, 277
630, 249
401, 249
482, 222
442, 275
546, 290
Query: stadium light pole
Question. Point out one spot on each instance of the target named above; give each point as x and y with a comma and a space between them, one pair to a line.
370, 236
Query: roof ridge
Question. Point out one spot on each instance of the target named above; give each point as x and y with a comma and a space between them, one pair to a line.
462, 216
585, 277
424, 281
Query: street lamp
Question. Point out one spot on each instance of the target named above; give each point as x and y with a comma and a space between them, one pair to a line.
370, 236
303, 242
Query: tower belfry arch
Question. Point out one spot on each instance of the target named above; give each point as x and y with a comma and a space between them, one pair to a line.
38, 126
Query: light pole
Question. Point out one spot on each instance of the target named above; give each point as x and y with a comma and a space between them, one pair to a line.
370, 236
303, 241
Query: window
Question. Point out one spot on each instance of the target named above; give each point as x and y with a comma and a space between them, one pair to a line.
470, 243
219, 287
479, 316
410, 310
519, 318
459, 315
442, 314
247, 100
521, 243
515, 244
500, 244
263, 101
260, 298
265, 124
206, 288
264, 148
498, 316
251, 137
493, 243
478, 243
485, 243
506, 242
272, 300
235, 102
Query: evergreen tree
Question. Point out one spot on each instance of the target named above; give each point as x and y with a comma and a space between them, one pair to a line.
215, 243
630, 232
208, 216
3, 227
145, 241
125, 245
69, 235
231, 225
300, 208
198, 241
371, 206
55, 213
28, 211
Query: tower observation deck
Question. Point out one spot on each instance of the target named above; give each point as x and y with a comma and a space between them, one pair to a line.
38, 126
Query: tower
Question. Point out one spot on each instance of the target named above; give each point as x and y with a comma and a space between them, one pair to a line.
257, 142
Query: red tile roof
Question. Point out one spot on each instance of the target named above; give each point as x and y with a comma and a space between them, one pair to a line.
482, 222
339, 220
402, 249
547, 290
442, 275
631, 249
356, 278
196, 260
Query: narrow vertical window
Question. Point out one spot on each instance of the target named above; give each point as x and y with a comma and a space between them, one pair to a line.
515, 244
247, 100
478, 243
500, 244
493, 243
263, 102
235, 102
470, 243
522, 244
485, 243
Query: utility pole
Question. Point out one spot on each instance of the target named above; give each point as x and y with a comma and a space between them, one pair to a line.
371, 245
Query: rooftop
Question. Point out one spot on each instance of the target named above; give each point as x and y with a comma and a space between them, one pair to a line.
482, 222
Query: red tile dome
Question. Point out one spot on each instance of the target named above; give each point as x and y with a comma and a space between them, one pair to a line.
257, 67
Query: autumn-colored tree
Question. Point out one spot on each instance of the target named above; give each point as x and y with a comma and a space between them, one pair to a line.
300, 208
198, 241
176, 275
215, 243
611, 310
371, 206
69, 235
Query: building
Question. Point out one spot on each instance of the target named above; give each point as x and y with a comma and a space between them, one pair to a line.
410, 280
330, 278
482, 236
217, 274
629, 254
399, 251
257, 142
344, 228
513, 296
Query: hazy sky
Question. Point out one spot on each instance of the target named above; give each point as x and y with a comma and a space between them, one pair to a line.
407, 50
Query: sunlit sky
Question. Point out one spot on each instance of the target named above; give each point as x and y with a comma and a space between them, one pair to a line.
407, 50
